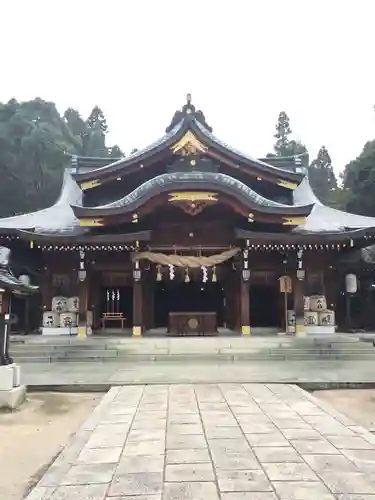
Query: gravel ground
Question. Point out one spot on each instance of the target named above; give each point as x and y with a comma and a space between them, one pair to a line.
32, 436
359, 405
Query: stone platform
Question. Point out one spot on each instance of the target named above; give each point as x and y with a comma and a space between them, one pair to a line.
211, 442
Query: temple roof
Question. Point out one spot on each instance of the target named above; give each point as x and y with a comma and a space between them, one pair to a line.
62, 220
10, 282
193, 180
187, 121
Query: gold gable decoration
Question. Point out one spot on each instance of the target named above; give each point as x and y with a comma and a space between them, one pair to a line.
294, 221
192, 196
186, 261
90, 184
286, 184
188, 145
91, 222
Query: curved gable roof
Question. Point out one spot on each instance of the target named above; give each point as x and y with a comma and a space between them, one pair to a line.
181, 181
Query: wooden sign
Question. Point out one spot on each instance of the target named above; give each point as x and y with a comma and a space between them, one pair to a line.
285, 284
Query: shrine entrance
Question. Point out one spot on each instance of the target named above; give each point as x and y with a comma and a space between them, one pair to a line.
192, 297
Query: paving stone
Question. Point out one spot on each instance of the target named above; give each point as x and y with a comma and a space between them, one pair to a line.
137, 497
136, 484
187, 456
189, 472
247, 410
116, 419
314, 446
159, 423
223, 432
41, 493
229, 444
296, 490
259, 428
289, 472
178, 441
140, 463
188, 429
329, 463
182, 418
86, 492
212, 406
271, 439
363, 459
150, 415
350, 443
234, 460
249, 496
242, 480
277, 454
100, 455
55, 473
301, 434
352, 482
146, 435
355, 497
290, 423
190, 491
121, 409
89, 474
102, 440
144, 448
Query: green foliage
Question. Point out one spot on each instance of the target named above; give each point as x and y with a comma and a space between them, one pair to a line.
35, 144
285, 146
322, 177
359, 182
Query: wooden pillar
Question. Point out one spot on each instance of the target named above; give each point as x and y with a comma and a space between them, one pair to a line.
46, 290
83, 289
83, 294
137, 309
298, 295
137, 301
245, 294
245, 307
5, 305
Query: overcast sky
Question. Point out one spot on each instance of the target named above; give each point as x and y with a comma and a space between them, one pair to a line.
242, 61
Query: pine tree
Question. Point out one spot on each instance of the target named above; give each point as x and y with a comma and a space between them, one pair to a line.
282, 134
322, 177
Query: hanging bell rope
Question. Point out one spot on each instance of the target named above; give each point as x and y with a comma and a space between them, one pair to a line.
187, 261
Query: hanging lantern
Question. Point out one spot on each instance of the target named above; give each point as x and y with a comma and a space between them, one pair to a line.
187, 277
159, 275
171, 272
204, 271
351, 283
214, 277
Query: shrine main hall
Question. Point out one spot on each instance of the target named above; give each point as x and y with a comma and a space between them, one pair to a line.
186, 236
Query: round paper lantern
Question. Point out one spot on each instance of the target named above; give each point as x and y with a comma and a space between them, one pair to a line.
351, 283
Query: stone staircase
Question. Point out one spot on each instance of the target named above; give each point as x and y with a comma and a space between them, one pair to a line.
37, 349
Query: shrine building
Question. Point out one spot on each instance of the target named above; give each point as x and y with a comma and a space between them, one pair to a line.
187, 236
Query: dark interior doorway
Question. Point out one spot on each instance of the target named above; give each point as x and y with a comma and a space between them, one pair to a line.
118, 300
264, 306
177, 296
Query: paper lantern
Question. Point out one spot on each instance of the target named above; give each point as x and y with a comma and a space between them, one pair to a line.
351, 283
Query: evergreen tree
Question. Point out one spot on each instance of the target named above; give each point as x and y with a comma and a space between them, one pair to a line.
359, 182
322, 177
282, 134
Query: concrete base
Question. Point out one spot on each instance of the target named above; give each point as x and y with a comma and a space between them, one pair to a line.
12, 394
46, 330
13, 398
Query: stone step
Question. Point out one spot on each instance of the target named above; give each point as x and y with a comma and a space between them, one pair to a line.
121, 357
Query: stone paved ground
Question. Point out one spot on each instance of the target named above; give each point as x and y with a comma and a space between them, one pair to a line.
49, 374
210, 442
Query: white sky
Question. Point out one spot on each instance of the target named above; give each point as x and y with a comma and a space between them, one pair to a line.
242, 61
